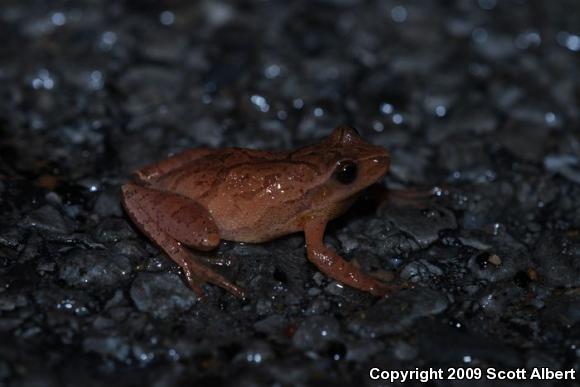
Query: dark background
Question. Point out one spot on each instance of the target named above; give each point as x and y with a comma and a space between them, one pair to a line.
479, 97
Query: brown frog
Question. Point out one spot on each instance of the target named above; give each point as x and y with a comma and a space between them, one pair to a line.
200, 196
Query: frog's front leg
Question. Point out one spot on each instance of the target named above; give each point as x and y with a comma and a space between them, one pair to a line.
334, 266
171, 220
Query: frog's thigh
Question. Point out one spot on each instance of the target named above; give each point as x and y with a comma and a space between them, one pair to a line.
180, 217
142, 203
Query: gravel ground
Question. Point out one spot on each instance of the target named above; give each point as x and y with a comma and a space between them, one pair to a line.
478, 97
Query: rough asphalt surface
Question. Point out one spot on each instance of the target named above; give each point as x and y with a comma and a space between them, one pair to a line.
478, 97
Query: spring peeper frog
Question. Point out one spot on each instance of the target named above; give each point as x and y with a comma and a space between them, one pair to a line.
200, 196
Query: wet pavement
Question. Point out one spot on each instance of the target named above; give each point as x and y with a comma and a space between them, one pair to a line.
477, 98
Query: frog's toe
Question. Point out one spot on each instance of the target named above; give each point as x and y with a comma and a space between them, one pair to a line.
408, 285
196, 286
230, 287
235, 290
198, 275
382, 289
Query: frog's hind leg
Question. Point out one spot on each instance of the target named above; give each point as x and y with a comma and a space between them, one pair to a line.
171, 220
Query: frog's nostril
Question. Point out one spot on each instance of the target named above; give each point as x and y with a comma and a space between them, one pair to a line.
381, 160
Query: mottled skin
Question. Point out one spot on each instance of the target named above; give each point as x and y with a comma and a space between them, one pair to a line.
200, 196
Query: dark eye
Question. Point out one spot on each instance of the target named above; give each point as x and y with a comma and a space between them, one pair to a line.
346, 172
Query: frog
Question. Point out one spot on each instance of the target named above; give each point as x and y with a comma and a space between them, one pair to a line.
193, 200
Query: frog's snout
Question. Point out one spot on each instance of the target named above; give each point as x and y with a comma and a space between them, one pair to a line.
381, 162
382, 159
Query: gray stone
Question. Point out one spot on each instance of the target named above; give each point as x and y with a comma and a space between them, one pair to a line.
47, 219
398, 312
557, 260
315, 331
93, 269
162, 295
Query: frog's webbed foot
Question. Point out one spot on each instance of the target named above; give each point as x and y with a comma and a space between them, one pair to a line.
221, 261
334, 266
196, 273
177, 220
379, 288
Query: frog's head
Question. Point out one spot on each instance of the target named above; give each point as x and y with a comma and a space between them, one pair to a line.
347, 165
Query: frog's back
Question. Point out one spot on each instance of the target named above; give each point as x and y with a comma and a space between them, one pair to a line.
197, 177
250, 193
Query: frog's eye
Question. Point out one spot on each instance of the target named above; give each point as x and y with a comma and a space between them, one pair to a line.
346, 172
